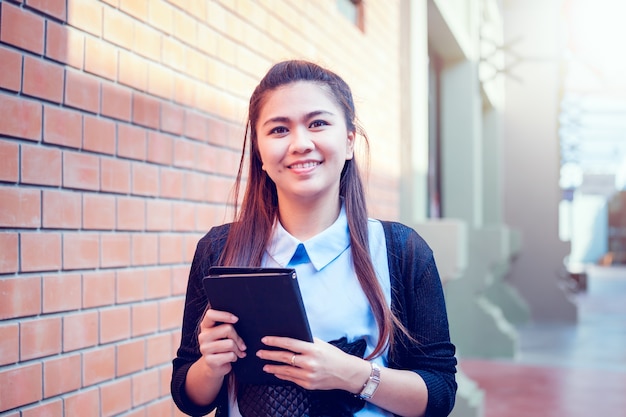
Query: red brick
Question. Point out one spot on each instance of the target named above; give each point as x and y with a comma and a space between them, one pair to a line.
40, 251
115, 175
217, 132
62, 127
20, 386
145, 179
41, 165
118, 28
81, 251
21, 28
158, 350
170, 248
82, 91
114, 250
20, 297
8, 253
10, 69
171, 313
20, 118
80, 330
9, 344
147, 42
197, 65
159, 215
116, 397
146, 111
185, 28
208, 216
61, 375
98, 365
98, 211
101, 58
42, 79
130, 213
160, 15
145, 249
98, 289
99, 135
9, 155
184, 153
131, 142
61, 209
171, 183
83, 403
195, 186
130, 285
133, 71
184, 217
145, 319
114, 324
54, 8
61, 292
137, 9
145, 386
172, 118
196, 125
161, 81
206, 158
158, 282
116, 102
40, 337
81, 171
85, 15
65, 44
184, 91
189, 246
20, 207
49, 408
173, 54
130, 357
162, 406
160, 148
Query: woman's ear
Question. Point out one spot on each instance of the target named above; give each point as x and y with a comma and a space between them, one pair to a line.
350, 145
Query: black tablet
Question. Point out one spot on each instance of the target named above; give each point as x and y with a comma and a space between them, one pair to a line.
268, 303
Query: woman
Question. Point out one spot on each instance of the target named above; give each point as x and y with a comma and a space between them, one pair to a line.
371, 288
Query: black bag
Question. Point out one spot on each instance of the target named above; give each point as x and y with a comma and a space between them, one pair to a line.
291, 400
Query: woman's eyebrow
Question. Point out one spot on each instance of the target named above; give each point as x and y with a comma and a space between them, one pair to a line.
283, 119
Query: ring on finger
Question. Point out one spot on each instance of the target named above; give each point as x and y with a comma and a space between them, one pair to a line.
293, 360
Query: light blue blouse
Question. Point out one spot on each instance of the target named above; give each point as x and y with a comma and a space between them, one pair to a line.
334, 301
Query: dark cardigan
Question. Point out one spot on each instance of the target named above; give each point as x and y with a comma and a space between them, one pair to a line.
417, 300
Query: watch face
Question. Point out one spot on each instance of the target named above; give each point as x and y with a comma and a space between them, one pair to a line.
369, 389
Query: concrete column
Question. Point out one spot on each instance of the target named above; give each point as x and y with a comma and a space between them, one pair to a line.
474, 318
531, 156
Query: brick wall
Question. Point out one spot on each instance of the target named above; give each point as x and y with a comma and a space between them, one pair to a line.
120, 131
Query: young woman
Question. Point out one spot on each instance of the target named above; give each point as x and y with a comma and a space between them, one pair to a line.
370, 288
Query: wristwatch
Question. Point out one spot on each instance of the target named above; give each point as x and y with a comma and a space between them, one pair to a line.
369, 388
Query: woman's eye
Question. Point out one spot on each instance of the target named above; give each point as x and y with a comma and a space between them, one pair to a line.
278, 130
319, 123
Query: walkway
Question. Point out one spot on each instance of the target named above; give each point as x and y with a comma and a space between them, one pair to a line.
561, 370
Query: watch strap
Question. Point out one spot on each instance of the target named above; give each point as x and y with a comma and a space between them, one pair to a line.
370, 386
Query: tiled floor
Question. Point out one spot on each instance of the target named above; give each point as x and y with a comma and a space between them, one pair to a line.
561, 370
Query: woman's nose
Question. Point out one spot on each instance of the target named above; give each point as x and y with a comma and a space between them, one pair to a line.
300, 140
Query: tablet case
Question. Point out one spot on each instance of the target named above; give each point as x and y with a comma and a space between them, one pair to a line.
268, 303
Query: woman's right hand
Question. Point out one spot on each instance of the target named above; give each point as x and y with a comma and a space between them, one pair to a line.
219, 343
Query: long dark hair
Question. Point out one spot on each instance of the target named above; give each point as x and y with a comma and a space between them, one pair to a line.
259, 207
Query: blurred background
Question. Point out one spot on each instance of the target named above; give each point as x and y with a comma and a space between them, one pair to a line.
496, 130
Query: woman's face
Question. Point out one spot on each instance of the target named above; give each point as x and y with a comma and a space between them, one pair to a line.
303, 141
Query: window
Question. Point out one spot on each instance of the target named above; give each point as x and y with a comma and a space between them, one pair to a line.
353, 10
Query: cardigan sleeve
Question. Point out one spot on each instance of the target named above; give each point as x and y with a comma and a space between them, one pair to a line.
207, 253
418, 300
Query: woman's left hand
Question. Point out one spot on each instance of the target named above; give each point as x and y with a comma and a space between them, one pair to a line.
317, 365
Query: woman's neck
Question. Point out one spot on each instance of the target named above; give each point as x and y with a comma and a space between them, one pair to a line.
303, 220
